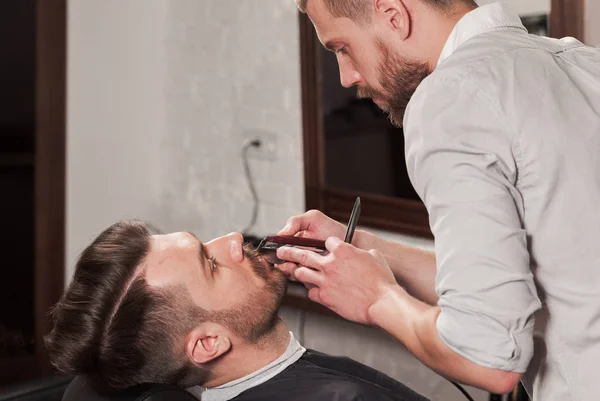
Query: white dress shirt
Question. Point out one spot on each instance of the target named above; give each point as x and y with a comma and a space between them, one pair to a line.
503, 147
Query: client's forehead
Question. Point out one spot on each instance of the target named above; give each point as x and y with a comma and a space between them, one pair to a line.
182, 239
167, 259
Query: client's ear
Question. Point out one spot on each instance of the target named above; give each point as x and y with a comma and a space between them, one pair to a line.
206, 343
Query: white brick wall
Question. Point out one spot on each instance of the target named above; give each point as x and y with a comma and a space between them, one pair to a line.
233, 67
115, 115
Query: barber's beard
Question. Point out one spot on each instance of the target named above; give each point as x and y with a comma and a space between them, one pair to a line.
257, 315
400, 77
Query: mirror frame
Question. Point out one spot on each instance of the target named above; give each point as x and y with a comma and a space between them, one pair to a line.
381, 212
50, 181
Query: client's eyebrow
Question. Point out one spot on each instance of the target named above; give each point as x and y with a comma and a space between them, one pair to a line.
202, 258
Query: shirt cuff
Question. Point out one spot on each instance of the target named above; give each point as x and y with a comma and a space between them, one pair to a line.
485, 341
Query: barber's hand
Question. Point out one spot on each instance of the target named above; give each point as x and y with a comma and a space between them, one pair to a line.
348, 280
312, 224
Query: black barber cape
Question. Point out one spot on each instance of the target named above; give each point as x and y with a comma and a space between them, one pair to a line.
319, 377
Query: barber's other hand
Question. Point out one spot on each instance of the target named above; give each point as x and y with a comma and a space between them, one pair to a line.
348, 280
312, 224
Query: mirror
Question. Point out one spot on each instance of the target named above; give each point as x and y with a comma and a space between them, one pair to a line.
351, 149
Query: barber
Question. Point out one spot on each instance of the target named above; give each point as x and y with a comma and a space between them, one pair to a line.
502, 134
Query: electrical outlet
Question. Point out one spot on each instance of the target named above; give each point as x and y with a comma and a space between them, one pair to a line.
268, 145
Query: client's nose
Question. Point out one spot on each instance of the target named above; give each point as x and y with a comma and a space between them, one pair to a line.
236, 243
231, 243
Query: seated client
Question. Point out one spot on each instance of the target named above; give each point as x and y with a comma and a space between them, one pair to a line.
148, 308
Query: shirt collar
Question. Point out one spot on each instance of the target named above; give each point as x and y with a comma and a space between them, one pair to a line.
482, 19
228, 391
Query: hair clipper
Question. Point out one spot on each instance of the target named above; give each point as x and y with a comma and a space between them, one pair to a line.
269, 245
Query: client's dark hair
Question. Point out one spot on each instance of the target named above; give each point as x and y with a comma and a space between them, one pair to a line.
111, 325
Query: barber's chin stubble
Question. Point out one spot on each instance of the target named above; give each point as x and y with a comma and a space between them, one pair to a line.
401, 76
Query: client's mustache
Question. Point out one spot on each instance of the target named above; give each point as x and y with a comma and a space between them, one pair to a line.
254, 257
250, 252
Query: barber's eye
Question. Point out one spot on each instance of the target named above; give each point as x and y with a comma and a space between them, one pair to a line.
213, 263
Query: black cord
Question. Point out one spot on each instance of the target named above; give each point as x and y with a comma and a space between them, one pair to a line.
251, 144
462, 390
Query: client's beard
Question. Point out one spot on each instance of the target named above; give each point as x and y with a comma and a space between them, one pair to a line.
258, 314
401, 77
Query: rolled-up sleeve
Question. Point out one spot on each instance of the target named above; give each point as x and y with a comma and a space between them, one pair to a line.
461, 160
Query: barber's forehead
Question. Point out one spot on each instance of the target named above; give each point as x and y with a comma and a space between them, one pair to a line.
327, 26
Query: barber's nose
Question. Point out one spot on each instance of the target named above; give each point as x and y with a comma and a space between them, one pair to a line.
348, 75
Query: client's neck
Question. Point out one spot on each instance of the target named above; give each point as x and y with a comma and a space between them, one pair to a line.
245, 359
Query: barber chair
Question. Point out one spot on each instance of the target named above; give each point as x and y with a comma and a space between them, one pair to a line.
43, 389
82, 389
64, 388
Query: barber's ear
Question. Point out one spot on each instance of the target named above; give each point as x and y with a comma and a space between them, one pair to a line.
206, 343
395, 15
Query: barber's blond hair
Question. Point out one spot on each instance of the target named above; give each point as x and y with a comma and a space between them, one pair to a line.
358, 10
